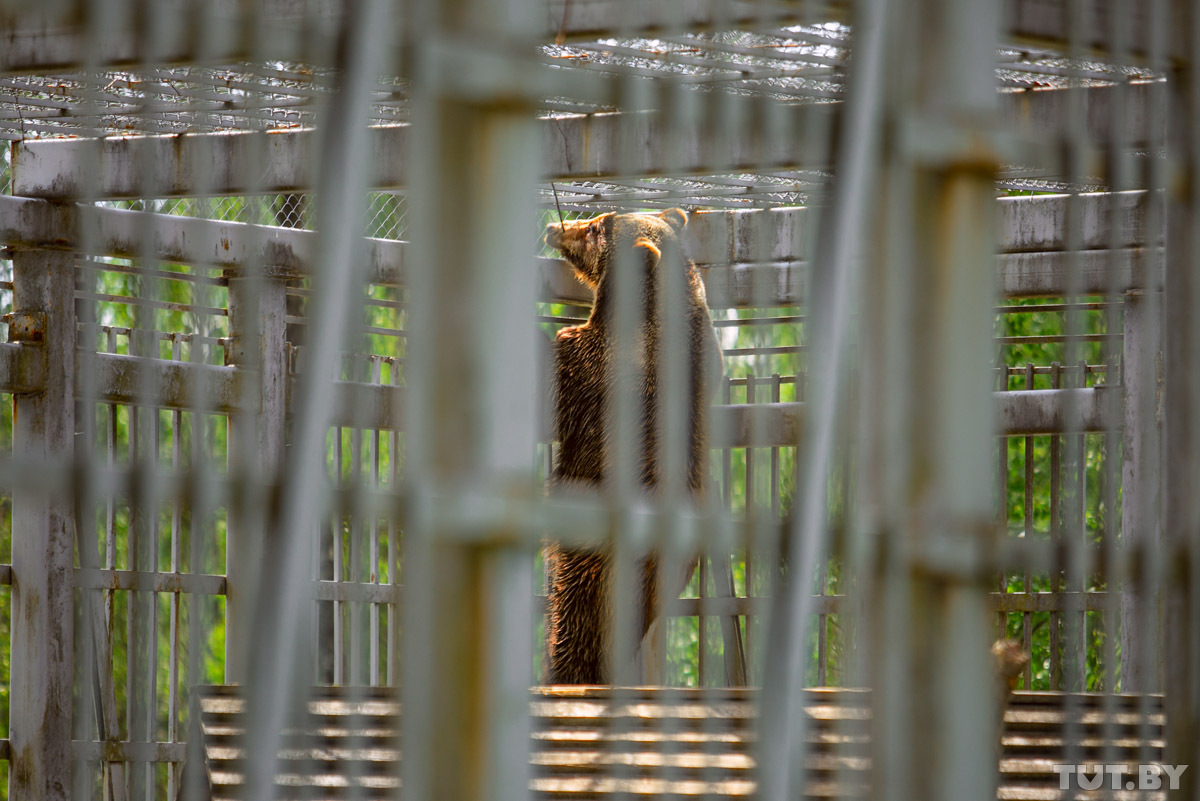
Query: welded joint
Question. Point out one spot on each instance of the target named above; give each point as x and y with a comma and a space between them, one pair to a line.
956, 551
23, 359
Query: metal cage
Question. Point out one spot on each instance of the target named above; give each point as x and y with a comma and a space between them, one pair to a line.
274, 473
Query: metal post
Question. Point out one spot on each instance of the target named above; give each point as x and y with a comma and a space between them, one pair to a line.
470, 374
257, 314
44, 541
1141, 654
1181, 399
933, 670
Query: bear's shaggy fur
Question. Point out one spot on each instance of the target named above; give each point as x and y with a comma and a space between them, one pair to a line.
585, 359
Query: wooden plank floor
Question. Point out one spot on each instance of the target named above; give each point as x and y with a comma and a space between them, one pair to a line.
591, 742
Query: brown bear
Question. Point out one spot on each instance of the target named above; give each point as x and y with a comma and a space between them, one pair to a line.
584, 386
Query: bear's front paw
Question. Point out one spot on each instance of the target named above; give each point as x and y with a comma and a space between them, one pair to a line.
571, 332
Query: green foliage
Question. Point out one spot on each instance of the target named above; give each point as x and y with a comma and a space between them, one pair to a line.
1068, 650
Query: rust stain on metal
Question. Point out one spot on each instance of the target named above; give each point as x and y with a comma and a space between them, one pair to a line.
26, 326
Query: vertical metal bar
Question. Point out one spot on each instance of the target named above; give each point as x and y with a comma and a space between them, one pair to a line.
1181, 400
374, 576
43, 550
1081, 542
113, 774
468, 608
782, 729
393, 549
1148, 572
337, 526
756, 523
1026, 585
935, 499
258, 334
1002, 508
176, 536
137, 610
1056, 577
150, 624
755, 588
702, 568
280, 618
702, 677
1140, 650
355, 530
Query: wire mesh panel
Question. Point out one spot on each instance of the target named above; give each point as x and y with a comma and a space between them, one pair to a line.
361, 374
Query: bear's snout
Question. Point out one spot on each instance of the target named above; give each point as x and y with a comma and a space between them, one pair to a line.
554, 233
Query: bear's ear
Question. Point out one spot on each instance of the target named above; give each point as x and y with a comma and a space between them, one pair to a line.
649, 250
676, 218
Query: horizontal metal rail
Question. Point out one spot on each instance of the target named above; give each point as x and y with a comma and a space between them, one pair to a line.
56, 43
370, 592
122, 379
1032, 233
126, 751
764, 425
1030, 412
28, 223
833, 604
577, 147
146, 581
356, 591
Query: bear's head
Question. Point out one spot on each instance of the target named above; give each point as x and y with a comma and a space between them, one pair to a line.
591, 246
